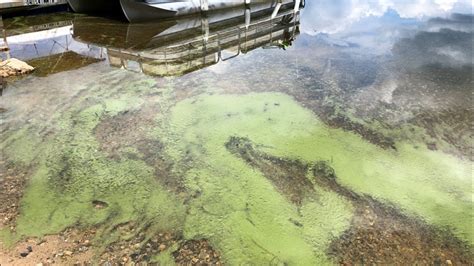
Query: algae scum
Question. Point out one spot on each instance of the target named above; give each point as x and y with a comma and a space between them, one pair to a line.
315, 155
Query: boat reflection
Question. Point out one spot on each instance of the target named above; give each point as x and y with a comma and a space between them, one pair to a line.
177, 47
48, 45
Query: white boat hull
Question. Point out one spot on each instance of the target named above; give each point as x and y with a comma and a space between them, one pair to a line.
147, 10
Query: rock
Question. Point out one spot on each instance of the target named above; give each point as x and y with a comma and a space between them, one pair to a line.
39, 264
24, 254
29, 248
162, 247
68, 253
449, 262
14, 67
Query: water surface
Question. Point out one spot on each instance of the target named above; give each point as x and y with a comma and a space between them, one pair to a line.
338, 135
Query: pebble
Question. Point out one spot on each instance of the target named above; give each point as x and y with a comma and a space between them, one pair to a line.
449, 262
162, 247
68, 253
24, 254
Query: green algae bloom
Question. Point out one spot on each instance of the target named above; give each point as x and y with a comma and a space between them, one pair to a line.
280, 127
234, 205
75, 174
71, 173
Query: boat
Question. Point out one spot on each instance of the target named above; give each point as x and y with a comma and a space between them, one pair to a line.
141, 10
95, 6
145, 10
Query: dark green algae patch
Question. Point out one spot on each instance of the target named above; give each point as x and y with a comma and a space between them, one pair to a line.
236, 198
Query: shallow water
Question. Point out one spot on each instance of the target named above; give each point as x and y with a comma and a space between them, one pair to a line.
342, 134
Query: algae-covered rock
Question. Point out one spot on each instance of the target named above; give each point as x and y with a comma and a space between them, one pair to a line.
323, 170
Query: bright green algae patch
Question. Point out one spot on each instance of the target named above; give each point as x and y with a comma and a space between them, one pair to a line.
75, 173
432, 185
71, 173
238, 209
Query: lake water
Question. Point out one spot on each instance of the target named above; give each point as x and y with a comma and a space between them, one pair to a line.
339, 134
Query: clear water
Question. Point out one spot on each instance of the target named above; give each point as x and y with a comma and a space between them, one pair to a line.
339, 135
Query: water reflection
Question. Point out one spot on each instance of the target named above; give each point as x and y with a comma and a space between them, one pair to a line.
165, 48
321, 15
177, 47
44, 40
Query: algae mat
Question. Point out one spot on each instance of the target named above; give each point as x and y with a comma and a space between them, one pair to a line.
233, 205
435, 186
